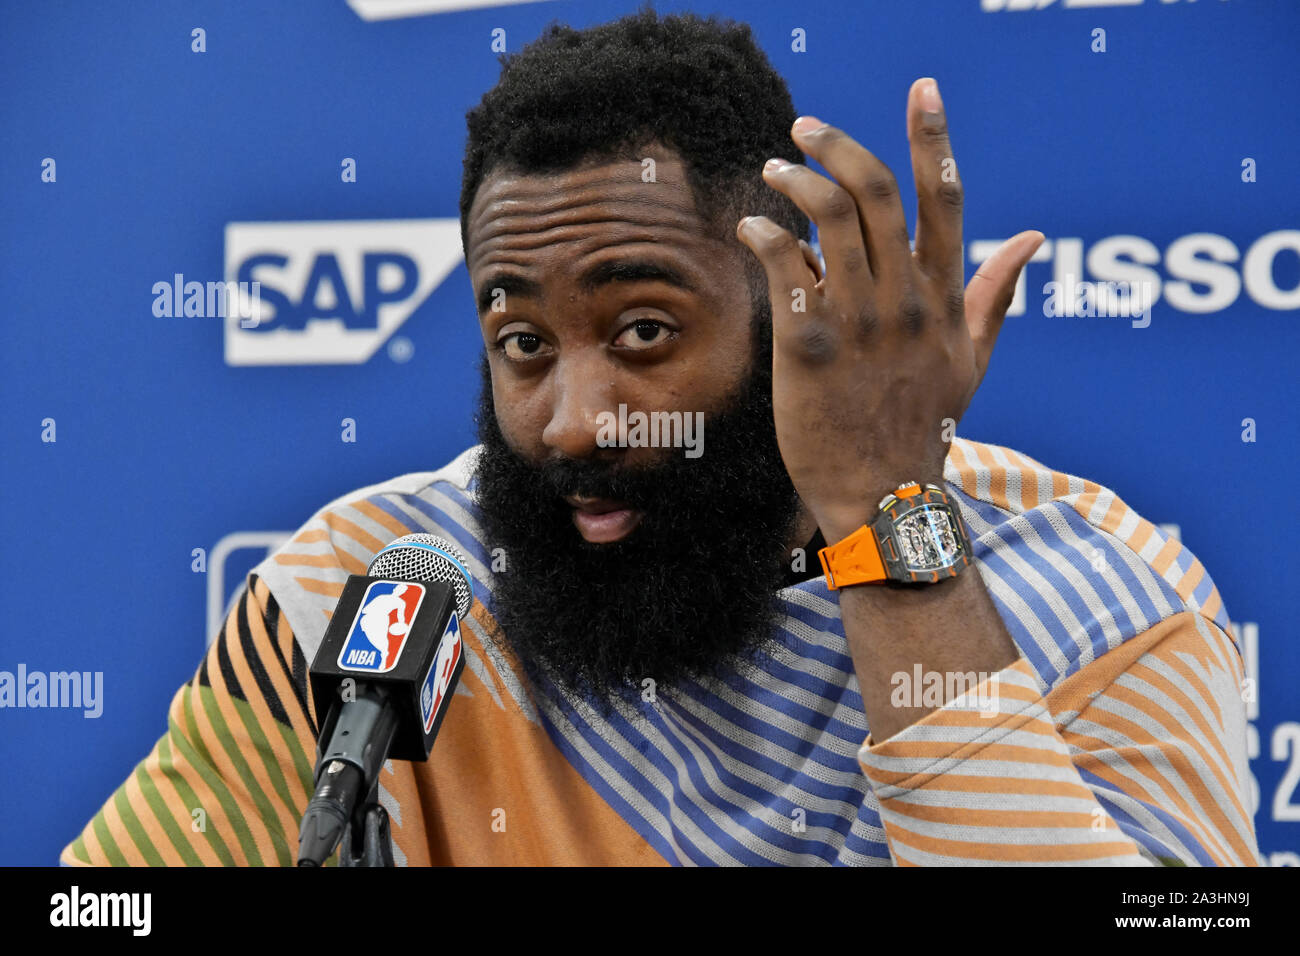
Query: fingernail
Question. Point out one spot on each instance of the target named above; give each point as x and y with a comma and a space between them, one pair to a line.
775, 164
930, 101
806, 124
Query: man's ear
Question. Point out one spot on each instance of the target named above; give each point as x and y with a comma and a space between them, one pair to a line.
810, 257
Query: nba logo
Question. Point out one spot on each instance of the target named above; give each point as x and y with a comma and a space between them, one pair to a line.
438, 679
380, 629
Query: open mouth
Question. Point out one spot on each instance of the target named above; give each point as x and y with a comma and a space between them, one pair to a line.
601, 520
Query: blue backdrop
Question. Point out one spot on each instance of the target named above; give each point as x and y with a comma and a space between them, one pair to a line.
150, 459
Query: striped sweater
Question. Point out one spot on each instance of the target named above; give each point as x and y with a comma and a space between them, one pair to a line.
1118, 736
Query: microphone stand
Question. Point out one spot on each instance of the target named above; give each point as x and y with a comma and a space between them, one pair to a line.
360, 737
370, 825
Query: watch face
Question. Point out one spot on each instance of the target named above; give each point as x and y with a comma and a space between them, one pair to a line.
928, 539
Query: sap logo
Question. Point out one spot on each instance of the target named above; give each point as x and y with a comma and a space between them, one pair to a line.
332, 293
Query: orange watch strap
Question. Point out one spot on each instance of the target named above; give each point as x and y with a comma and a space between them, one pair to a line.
854, 560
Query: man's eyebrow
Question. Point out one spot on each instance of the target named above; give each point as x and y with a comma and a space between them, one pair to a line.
633, 270
508, 284
614, 270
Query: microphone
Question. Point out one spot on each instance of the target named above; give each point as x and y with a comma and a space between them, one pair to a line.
381, 679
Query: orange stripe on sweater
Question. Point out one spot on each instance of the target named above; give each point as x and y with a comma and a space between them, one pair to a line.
997, 475
290, 813
965, 472
334, 559
1179, 765
1012, 852
1114, 516
343, 526
272, 651
1141, 534
381, 517
1076, 692
1159, 792
976, 817
328, 588
1164, 559
1190, 581
121, 836
967, 720
978, 783
1213, 604
1011, 753
238, 741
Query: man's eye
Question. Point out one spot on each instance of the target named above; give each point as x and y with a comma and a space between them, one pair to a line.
521, 345
644, 333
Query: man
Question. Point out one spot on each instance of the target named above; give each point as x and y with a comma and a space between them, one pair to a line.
658, 670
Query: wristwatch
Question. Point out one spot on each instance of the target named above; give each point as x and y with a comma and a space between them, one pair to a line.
916, 537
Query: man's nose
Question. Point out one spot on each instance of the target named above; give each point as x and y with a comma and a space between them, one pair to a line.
582, 391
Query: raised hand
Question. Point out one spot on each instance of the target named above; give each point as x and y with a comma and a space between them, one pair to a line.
870, 359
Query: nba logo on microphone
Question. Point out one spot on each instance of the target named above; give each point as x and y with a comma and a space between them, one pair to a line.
381, 627
438, 679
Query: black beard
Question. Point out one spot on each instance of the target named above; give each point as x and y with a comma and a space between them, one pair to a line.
690, 588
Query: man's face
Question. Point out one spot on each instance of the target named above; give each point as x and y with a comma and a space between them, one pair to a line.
623, 563
613, 294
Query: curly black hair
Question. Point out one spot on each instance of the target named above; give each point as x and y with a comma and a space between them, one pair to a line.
701, 87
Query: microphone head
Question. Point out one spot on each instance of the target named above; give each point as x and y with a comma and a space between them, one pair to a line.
426, 558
